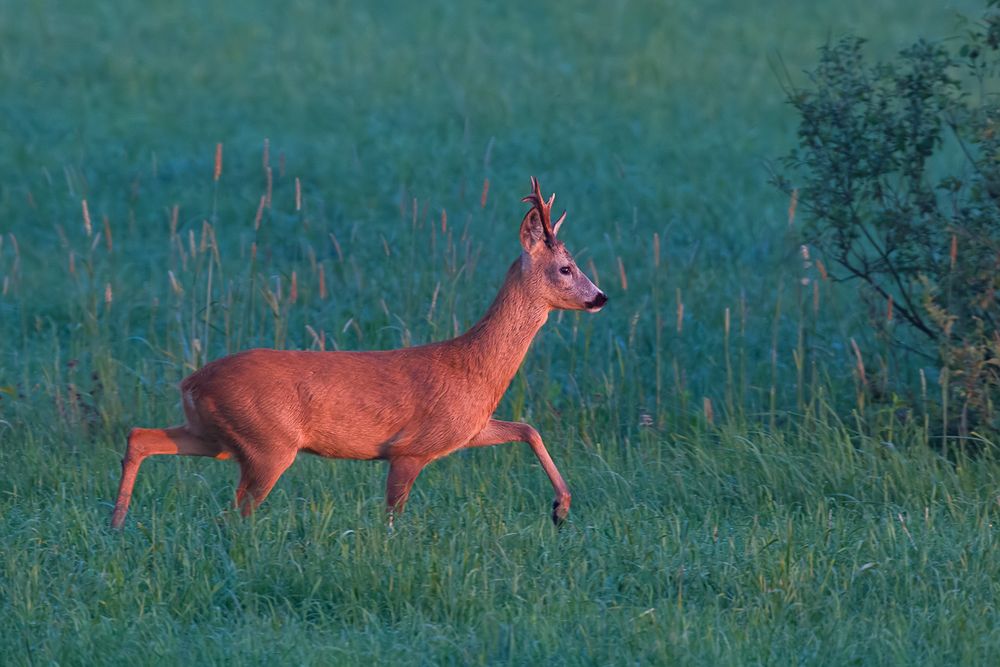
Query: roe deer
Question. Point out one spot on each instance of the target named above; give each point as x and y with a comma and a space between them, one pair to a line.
408, 406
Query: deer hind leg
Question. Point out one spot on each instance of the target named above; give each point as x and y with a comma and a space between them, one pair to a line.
143, 442
403, 472
257, 477
498, 432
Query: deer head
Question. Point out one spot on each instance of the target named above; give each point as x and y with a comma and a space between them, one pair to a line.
546, 265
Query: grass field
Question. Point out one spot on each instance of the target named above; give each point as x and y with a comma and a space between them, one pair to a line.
738, 496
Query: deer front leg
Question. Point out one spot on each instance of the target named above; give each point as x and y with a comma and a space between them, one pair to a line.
498, 432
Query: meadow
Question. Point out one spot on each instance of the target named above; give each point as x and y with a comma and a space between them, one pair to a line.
182, 180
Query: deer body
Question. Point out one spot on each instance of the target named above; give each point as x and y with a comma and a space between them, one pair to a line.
408, 406
435, 397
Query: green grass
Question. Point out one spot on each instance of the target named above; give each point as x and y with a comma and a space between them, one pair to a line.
807, 521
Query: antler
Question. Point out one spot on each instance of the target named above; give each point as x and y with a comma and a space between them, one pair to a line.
544, 209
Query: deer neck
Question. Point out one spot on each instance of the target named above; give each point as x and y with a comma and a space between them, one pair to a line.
496, 345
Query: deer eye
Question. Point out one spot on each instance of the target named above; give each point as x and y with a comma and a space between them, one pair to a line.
565, 270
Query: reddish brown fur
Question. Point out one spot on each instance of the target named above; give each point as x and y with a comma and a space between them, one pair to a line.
407, 406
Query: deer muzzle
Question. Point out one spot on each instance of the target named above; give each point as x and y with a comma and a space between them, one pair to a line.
597, 302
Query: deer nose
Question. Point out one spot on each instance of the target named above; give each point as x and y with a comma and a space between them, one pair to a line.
597, 302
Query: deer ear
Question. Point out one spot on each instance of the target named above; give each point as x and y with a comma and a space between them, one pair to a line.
532, 234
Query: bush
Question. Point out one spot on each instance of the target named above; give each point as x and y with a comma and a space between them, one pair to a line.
898, 172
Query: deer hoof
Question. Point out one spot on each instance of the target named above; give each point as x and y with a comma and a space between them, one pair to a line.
560, 510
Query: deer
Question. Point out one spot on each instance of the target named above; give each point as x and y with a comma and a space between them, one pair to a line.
407, 406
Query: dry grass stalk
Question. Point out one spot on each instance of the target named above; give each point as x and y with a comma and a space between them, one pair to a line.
218, 163
906, 531
593, 272
293, 295
621, 274
792, 205
313, 264
214, 246
859, 363
336, 246
434, 298
706, 404
680, 312
203, 244
179, 244
260, 212
108, 241
298, 195
322, 282
270, 183
174, 213
319, 340
86, 218
174, 285
486, 192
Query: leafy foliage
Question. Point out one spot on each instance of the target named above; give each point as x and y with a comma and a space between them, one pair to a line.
899, 165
